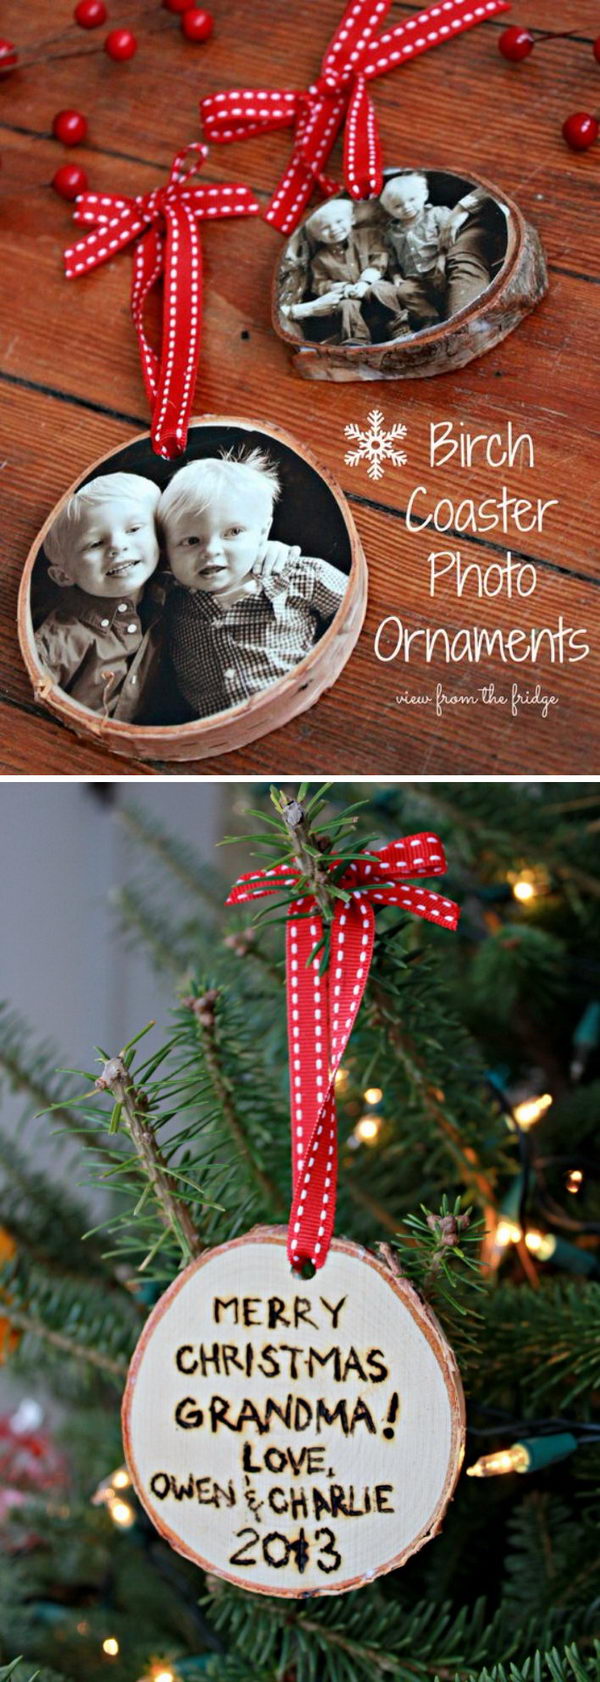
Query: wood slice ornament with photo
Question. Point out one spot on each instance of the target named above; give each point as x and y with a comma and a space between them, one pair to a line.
433, 271
294, 1436
174, 609
302, 1435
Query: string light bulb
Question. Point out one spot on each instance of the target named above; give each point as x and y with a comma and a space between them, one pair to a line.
528, 884
122, 1514
341, 1081
507, 1232
540, 1244
531, 1455
163, 1676
531, 1110
373, 1095
367, 1129
524, 890
110, 1646
574, 1180
513, 1459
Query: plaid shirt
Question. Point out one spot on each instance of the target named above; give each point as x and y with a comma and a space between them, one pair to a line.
222, 655
416, 247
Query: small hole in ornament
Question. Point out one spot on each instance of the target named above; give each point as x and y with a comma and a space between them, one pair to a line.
244, 333
306, 1271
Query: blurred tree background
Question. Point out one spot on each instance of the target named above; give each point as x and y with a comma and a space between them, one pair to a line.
473, 1074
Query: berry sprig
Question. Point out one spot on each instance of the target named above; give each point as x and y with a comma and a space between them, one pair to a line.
196, 24
580, 130
71, 127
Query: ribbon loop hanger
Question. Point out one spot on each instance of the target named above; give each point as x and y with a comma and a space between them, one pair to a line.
322, 1007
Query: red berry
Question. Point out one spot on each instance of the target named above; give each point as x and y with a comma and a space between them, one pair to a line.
596, 49
196, 24
177, 5
120, 44
70, 127
516, 44
90, 13
69, 181
580, 131
8, 55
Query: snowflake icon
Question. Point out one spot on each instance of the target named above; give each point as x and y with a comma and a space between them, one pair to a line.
377, 445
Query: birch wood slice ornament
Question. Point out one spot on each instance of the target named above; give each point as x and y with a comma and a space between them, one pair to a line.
174, 610
432, 273
293, 1436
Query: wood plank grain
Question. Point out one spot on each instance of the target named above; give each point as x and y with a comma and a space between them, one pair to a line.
70, 386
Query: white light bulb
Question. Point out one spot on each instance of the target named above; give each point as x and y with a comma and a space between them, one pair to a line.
367, 1129
523, 889
514, 1459
507, 1232
540, 1244
532, 1109
122, 1514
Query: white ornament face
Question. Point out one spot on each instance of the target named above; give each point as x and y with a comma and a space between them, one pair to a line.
294, 1436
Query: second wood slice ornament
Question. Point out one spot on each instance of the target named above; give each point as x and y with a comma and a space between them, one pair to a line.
433, 272
303, 1435
293, 1435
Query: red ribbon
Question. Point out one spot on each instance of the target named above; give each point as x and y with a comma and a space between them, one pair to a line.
321, 1009
352, 59
164, 225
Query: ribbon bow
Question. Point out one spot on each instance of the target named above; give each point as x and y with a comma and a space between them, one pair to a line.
352, 59
164, 225
321, 1009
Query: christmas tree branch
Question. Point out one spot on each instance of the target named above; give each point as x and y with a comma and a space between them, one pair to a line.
464, 1156
365, 1200
25, 1322
138, 918
173, 1212
203, 1009
244, 944
171, 852
369, 1656
307, 855
34, 1083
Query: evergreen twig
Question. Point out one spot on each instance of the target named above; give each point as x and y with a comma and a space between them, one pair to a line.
203, 1009
78, 1351
464, 1156
173, 1212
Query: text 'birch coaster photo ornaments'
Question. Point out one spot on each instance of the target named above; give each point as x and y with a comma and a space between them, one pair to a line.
303, 1435
180, 608
412, 271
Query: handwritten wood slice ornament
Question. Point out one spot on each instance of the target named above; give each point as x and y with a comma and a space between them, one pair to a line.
452, 268
128, 644
294, 1436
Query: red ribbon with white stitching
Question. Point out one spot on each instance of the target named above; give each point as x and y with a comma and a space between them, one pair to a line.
351, 60
165, 226
321, 1009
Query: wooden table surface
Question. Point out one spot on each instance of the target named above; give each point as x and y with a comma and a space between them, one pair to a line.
71, 387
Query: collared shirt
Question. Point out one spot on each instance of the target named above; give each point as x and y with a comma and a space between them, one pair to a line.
101, 651
346, 260
416, 247
222, 655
